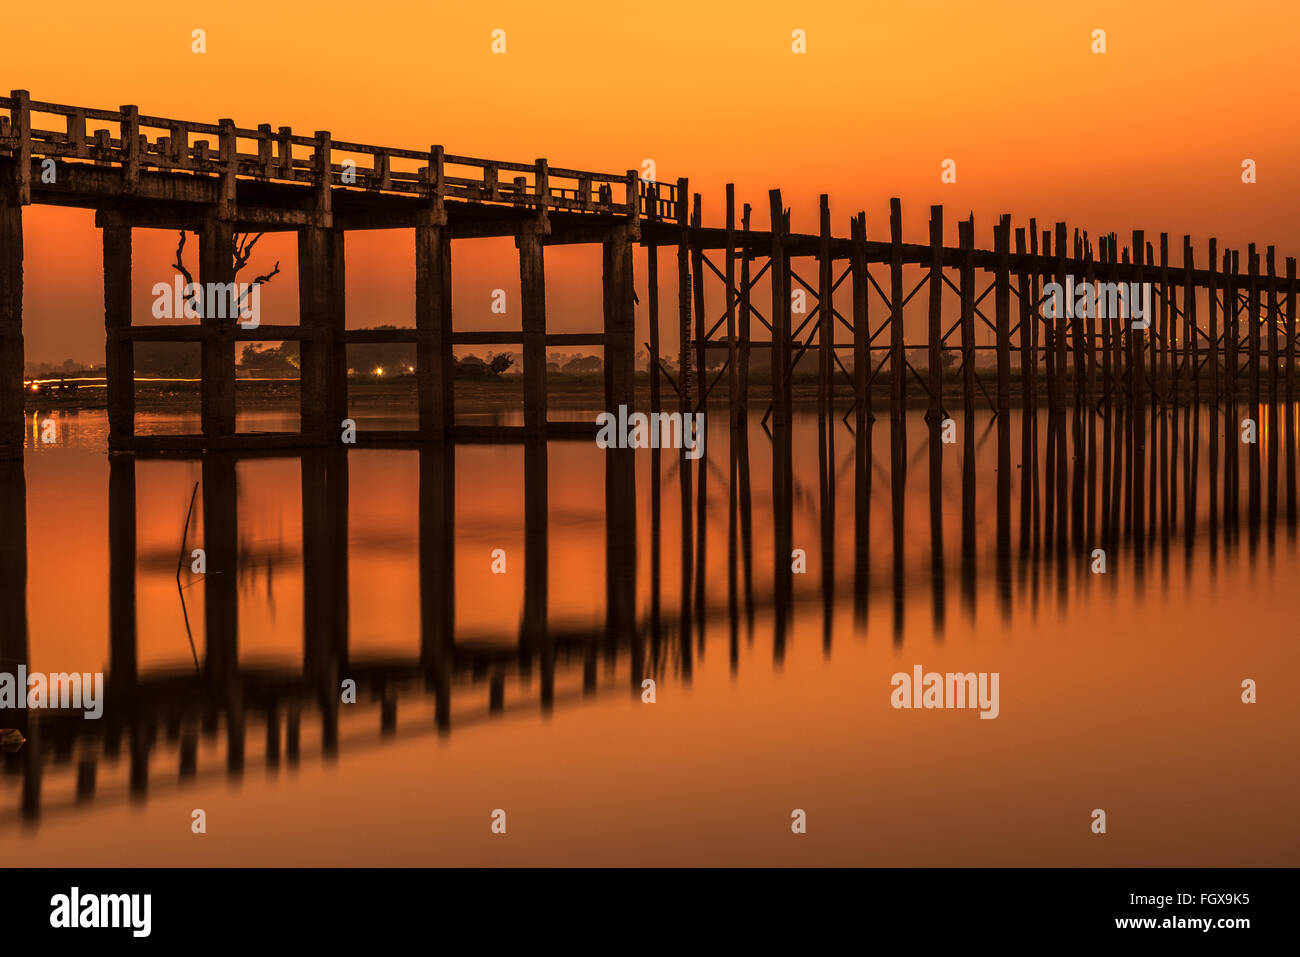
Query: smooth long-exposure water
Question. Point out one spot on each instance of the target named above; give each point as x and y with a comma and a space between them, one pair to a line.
500, 606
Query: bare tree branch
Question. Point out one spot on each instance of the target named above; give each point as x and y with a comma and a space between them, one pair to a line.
191, 297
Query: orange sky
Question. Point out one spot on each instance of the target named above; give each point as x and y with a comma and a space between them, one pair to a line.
1037, 124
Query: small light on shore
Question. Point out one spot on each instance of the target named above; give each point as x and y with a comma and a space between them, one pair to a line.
379, 370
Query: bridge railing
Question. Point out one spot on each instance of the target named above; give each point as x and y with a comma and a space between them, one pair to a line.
136, 142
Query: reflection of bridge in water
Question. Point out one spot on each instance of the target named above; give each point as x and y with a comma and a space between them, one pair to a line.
1082, 489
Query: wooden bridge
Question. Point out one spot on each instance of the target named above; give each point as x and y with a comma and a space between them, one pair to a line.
1222, 327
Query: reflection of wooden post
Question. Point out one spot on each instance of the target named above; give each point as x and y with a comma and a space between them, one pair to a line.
13, 576
11, 326
221, 583
121, 572
437, 518
119, 368
325, 558
620, 544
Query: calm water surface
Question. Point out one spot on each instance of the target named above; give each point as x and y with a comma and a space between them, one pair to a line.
1119, 691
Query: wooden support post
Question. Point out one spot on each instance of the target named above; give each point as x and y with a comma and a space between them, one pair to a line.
780, 269
1271, 264
1090, 327
1231, 327
897, 348
20, 126
532, 284
1002, 305
1137, 337
11, 324
1077, 324
742, 379
434, 362
966, 282
683, 301
620, 321
861, 353
733, 347
935, 331
221, 583
130, 139
1063, 311
652, 299
437, 565
1290, 328
701, 321
1252, 324
315, 317
1027, 313
119, 364
217, 274
825, 312
1213, 321
1103, 313
1035, 275
1190, 345
1160, 372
